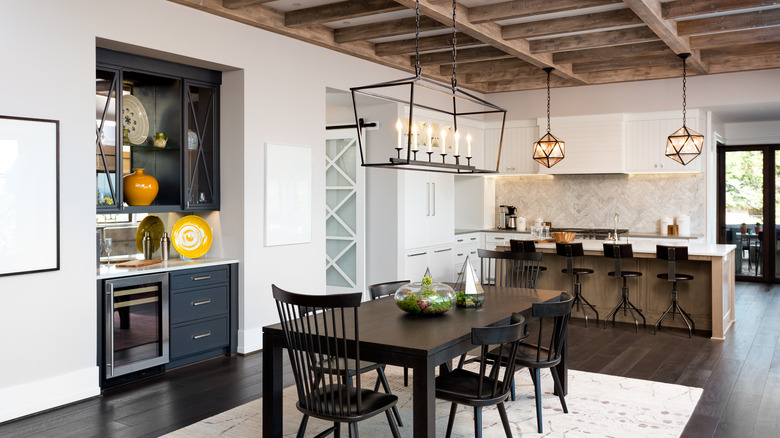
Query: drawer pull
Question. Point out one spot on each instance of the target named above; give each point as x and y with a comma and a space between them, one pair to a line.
201, 302
415, 255
460, 254
473, 238
460, 240
202, 335
443, 250
202, 277
498, 238
473, 252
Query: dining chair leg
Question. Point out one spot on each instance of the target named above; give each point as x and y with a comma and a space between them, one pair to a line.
504, 419
478, 421
336, 430
559, 389
512, 389
383, 378
302, 426
538, 393
406, 376
451, 421
353, 430
393, 426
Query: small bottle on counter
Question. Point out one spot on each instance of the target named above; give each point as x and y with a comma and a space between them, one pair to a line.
165, 246
147, 245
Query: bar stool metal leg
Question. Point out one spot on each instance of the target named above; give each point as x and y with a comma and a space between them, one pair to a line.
581, 302
627, 306
675, 305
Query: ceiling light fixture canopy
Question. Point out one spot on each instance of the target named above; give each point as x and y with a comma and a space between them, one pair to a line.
415, 135
549, 149
684, 144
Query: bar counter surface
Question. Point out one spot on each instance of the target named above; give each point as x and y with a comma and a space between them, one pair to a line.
709, 298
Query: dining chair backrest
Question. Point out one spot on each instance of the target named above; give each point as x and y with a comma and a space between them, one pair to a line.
569, 250
508, 268
380, 290
549, 345
319, 329
672, 254
504, 340
522, 245
618, 251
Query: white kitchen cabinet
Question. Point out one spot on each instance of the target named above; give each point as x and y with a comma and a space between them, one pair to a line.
594, 144
466, 245
516, 149
493, 240
646, 136
438, 259
429, 209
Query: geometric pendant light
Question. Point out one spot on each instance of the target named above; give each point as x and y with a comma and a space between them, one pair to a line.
549, 149
684, 144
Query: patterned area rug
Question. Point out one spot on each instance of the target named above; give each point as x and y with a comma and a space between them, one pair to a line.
599, 406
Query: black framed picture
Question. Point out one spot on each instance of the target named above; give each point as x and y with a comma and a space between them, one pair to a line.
29, 195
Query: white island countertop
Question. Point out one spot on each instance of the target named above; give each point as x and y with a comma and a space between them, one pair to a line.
112, 271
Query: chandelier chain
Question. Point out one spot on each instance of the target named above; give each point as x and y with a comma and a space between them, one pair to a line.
548, 101
417, 69
684, 89
454, 48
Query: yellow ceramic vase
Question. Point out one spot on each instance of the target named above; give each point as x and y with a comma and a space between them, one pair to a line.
139, 188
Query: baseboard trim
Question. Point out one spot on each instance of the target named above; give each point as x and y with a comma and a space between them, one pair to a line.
250, 341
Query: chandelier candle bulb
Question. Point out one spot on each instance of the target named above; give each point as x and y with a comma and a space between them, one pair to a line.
443, 141
468, 145
414, 136
400, 129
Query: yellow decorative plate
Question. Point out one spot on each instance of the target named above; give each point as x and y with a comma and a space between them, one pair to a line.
191, 236
154, 225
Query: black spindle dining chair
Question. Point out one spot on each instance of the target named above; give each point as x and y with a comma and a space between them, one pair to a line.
322, 338
380, 290
509, 269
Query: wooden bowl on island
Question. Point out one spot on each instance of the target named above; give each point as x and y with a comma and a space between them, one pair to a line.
563, 236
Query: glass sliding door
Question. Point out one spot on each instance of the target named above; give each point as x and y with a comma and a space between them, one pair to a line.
748, 191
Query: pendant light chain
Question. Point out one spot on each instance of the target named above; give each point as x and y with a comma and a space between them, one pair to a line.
684, 88
548, 101
417, 69
454, 48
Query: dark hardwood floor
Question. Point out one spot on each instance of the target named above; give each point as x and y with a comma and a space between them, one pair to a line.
740, 377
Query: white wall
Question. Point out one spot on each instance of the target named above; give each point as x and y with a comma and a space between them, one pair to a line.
271, 93
753, 133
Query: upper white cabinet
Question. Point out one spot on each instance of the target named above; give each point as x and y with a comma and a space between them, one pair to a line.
429, 209
516, 149
594, 144
646, 141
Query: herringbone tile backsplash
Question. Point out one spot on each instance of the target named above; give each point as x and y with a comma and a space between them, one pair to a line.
592, 200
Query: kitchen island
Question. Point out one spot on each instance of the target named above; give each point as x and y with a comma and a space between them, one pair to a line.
708, 298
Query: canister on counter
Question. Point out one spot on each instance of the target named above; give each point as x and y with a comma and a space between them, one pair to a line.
148, 248
165, 246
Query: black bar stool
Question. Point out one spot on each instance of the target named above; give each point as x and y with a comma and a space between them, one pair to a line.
619, 252
673, 254
526, 246
571, 250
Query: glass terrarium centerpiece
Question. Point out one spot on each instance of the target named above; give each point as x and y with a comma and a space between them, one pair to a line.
468, 289
425, 297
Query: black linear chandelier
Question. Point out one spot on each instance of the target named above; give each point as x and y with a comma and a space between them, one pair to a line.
684, 144
416, 135
549, 149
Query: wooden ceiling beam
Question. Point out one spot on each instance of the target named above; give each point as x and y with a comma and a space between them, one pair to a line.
593, 40
578, 23
528, 84
263, 17
391, 28
526, 8
627, 62
490, 33
736, 51
742, 63
650, 11
509, 74
602, 53
726, 23
691, 8
437, 42
638, 74
744, 37
482, 66
466, 55
235, 4
339, 11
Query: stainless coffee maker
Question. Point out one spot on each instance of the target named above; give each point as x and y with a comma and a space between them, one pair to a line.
502, 217
511, 218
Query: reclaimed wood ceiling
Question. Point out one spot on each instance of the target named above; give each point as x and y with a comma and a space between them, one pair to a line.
503, 45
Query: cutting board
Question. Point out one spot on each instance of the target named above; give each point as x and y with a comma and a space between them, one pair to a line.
137, 263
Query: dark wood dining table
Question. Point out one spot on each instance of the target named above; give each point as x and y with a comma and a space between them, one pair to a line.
390, 336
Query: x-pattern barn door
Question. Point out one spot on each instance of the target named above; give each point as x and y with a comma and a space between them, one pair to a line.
345, 214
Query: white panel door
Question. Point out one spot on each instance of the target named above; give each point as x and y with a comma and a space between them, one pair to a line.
344, 213
415, 264
418, 208
441, 262
442, 201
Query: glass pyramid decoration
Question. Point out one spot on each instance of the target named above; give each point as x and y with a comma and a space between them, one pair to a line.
468, 290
